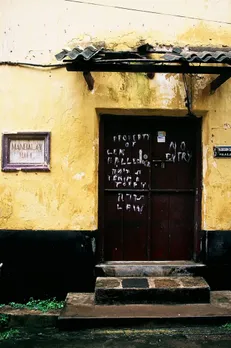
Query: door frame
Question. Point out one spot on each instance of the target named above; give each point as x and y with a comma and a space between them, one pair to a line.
198, 184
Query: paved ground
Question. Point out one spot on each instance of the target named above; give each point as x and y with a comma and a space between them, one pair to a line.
197, 337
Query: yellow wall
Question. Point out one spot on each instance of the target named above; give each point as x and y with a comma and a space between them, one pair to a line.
59, 101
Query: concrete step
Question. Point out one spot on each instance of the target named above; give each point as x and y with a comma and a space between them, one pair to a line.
149, 268
158, 290
81, 311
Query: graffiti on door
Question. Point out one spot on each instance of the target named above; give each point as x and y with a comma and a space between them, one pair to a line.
178, 152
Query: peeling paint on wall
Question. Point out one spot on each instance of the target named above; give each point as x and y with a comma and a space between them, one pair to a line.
79, 176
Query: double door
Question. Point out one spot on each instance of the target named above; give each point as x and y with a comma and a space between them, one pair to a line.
148, 188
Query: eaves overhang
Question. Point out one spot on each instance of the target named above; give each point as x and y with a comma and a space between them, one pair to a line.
147, 59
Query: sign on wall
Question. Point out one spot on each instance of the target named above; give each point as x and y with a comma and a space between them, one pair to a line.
222, 151
26, 151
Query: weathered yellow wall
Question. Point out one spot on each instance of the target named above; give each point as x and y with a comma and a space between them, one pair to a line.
58, 101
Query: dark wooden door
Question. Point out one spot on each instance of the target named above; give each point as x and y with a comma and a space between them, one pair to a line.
147, 188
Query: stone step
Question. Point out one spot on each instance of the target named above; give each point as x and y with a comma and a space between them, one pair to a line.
155, 290
81, 311
149, 268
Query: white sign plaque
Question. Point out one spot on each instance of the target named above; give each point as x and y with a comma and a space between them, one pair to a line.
27, 151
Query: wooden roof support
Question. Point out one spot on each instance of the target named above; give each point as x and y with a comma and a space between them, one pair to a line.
215, 84
153, 68
223, 71
89, 79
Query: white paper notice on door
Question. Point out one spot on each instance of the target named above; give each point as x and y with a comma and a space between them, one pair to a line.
161, 136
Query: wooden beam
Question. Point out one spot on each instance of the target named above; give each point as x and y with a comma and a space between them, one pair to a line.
89, 79
215, 84
150, 67
150, 75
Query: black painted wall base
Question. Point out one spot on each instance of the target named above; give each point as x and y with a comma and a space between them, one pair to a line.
216, 254
44, 264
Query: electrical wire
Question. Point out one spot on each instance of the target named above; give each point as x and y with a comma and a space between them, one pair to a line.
147, 11
35, 65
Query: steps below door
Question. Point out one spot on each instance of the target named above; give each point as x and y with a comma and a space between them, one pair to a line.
152, 290
149, 268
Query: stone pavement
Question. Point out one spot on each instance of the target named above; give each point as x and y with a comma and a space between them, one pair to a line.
197, 337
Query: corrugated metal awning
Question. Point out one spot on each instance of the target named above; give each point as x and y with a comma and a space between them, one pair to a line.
175, 54
199, 57
151, 60
79, 53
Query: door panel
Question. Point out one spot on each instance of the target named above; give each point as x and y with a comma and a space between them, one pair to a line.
148, 188
126, 226
159, 227
135, 226
181, 218
113, 219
